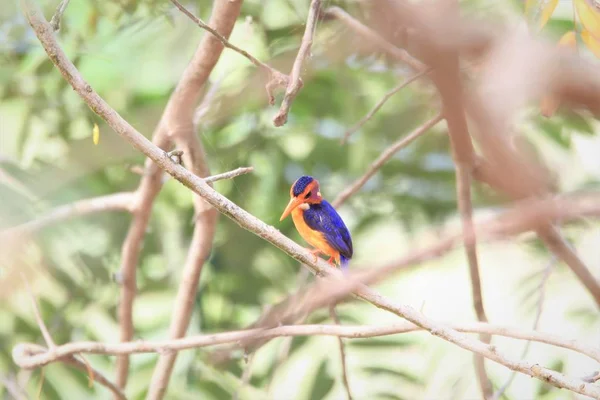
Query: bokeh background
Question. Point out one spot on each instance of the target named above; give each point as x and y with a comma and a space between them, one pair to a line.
133, 52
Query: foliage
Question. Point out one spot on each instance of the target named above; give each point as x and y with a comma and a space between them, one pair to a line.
132, 53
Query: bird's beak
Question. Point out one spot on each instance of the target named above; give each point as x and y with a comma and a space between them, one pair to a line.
294, 202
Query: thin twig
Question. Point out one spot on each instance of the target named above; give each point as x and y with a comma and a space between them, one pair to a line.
380, 104
29, 356
383, 158
463, 192
295, 82
277, 79
374, 38
540, 307
69, 359
246, 220
286, 344
56, 18
13, 388
228, 175
112, 202
38, 316
336, 320
246, 375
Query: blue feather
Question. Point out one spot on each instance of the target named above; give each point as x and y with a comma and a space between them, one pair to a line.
322, 217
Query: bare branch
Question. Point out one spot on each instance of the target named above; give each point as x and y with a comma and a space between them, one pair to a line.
463, 191
69, 359
228, 175
381, 102
179, 120
383, 158
375, 38
30, 356
246, 375
336, 320
111, 202
295, 82
38, 315
249, 222
277, 79
60, 10
540, 306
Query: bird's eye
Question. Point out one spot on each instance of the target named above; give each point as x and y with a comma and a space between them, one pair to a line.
308, 195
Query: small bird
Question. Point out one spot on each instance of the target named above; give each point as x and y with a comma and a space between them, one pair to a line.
318, 223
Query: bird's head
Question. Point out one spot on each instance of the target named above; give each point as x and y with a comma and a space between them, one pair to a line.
304, 191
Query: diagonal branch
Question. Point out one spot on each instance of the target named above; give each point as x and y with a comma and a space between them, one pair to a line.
60, 10
69, 359
540, 306
383, 158
112, 202
374, 38
295, 82
44, 33
380, 104
276, 78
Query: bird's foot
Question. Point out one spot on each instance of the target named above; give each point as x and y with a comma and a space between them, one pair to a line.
315, 253
331, 261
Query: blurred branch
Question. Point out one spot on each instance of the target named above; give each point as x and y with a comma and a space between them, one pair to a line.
343, 284
112, 202
540, 306
380, 104
179, 122
295, 82
463, 190
69, 359
276, 78
447, 80
12, 388
375, 39
383, 158
30, 356
517, 68
246, 375
60, 10
336, 320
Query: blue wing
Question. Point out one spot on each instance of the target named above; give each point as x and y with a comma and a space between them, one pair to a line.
323, 218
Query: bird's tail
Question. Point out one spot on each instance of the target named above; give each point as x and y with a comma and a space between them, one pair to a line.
344, 263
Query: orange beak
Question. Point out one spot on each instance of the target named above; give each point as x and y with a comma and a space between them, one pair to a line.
294, 202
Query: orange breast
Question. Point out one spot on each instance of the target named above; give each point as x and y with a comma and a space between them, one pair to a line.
314, 238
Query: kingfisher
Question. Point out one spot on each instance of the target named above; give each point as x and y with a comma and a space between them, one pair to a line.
318, 223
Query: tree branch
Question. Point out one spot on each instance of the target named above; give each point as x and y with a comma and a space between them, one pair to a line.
375, 39
112, 202
463, 190
295, 82
276, 80
380, 104
30, 356
60, 10
69, 359
179, 120
249, 222
540, 306
383, 158
336, 320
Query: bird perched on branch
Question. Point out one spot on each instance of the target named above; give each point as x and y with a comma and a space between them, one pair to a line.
318, 223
